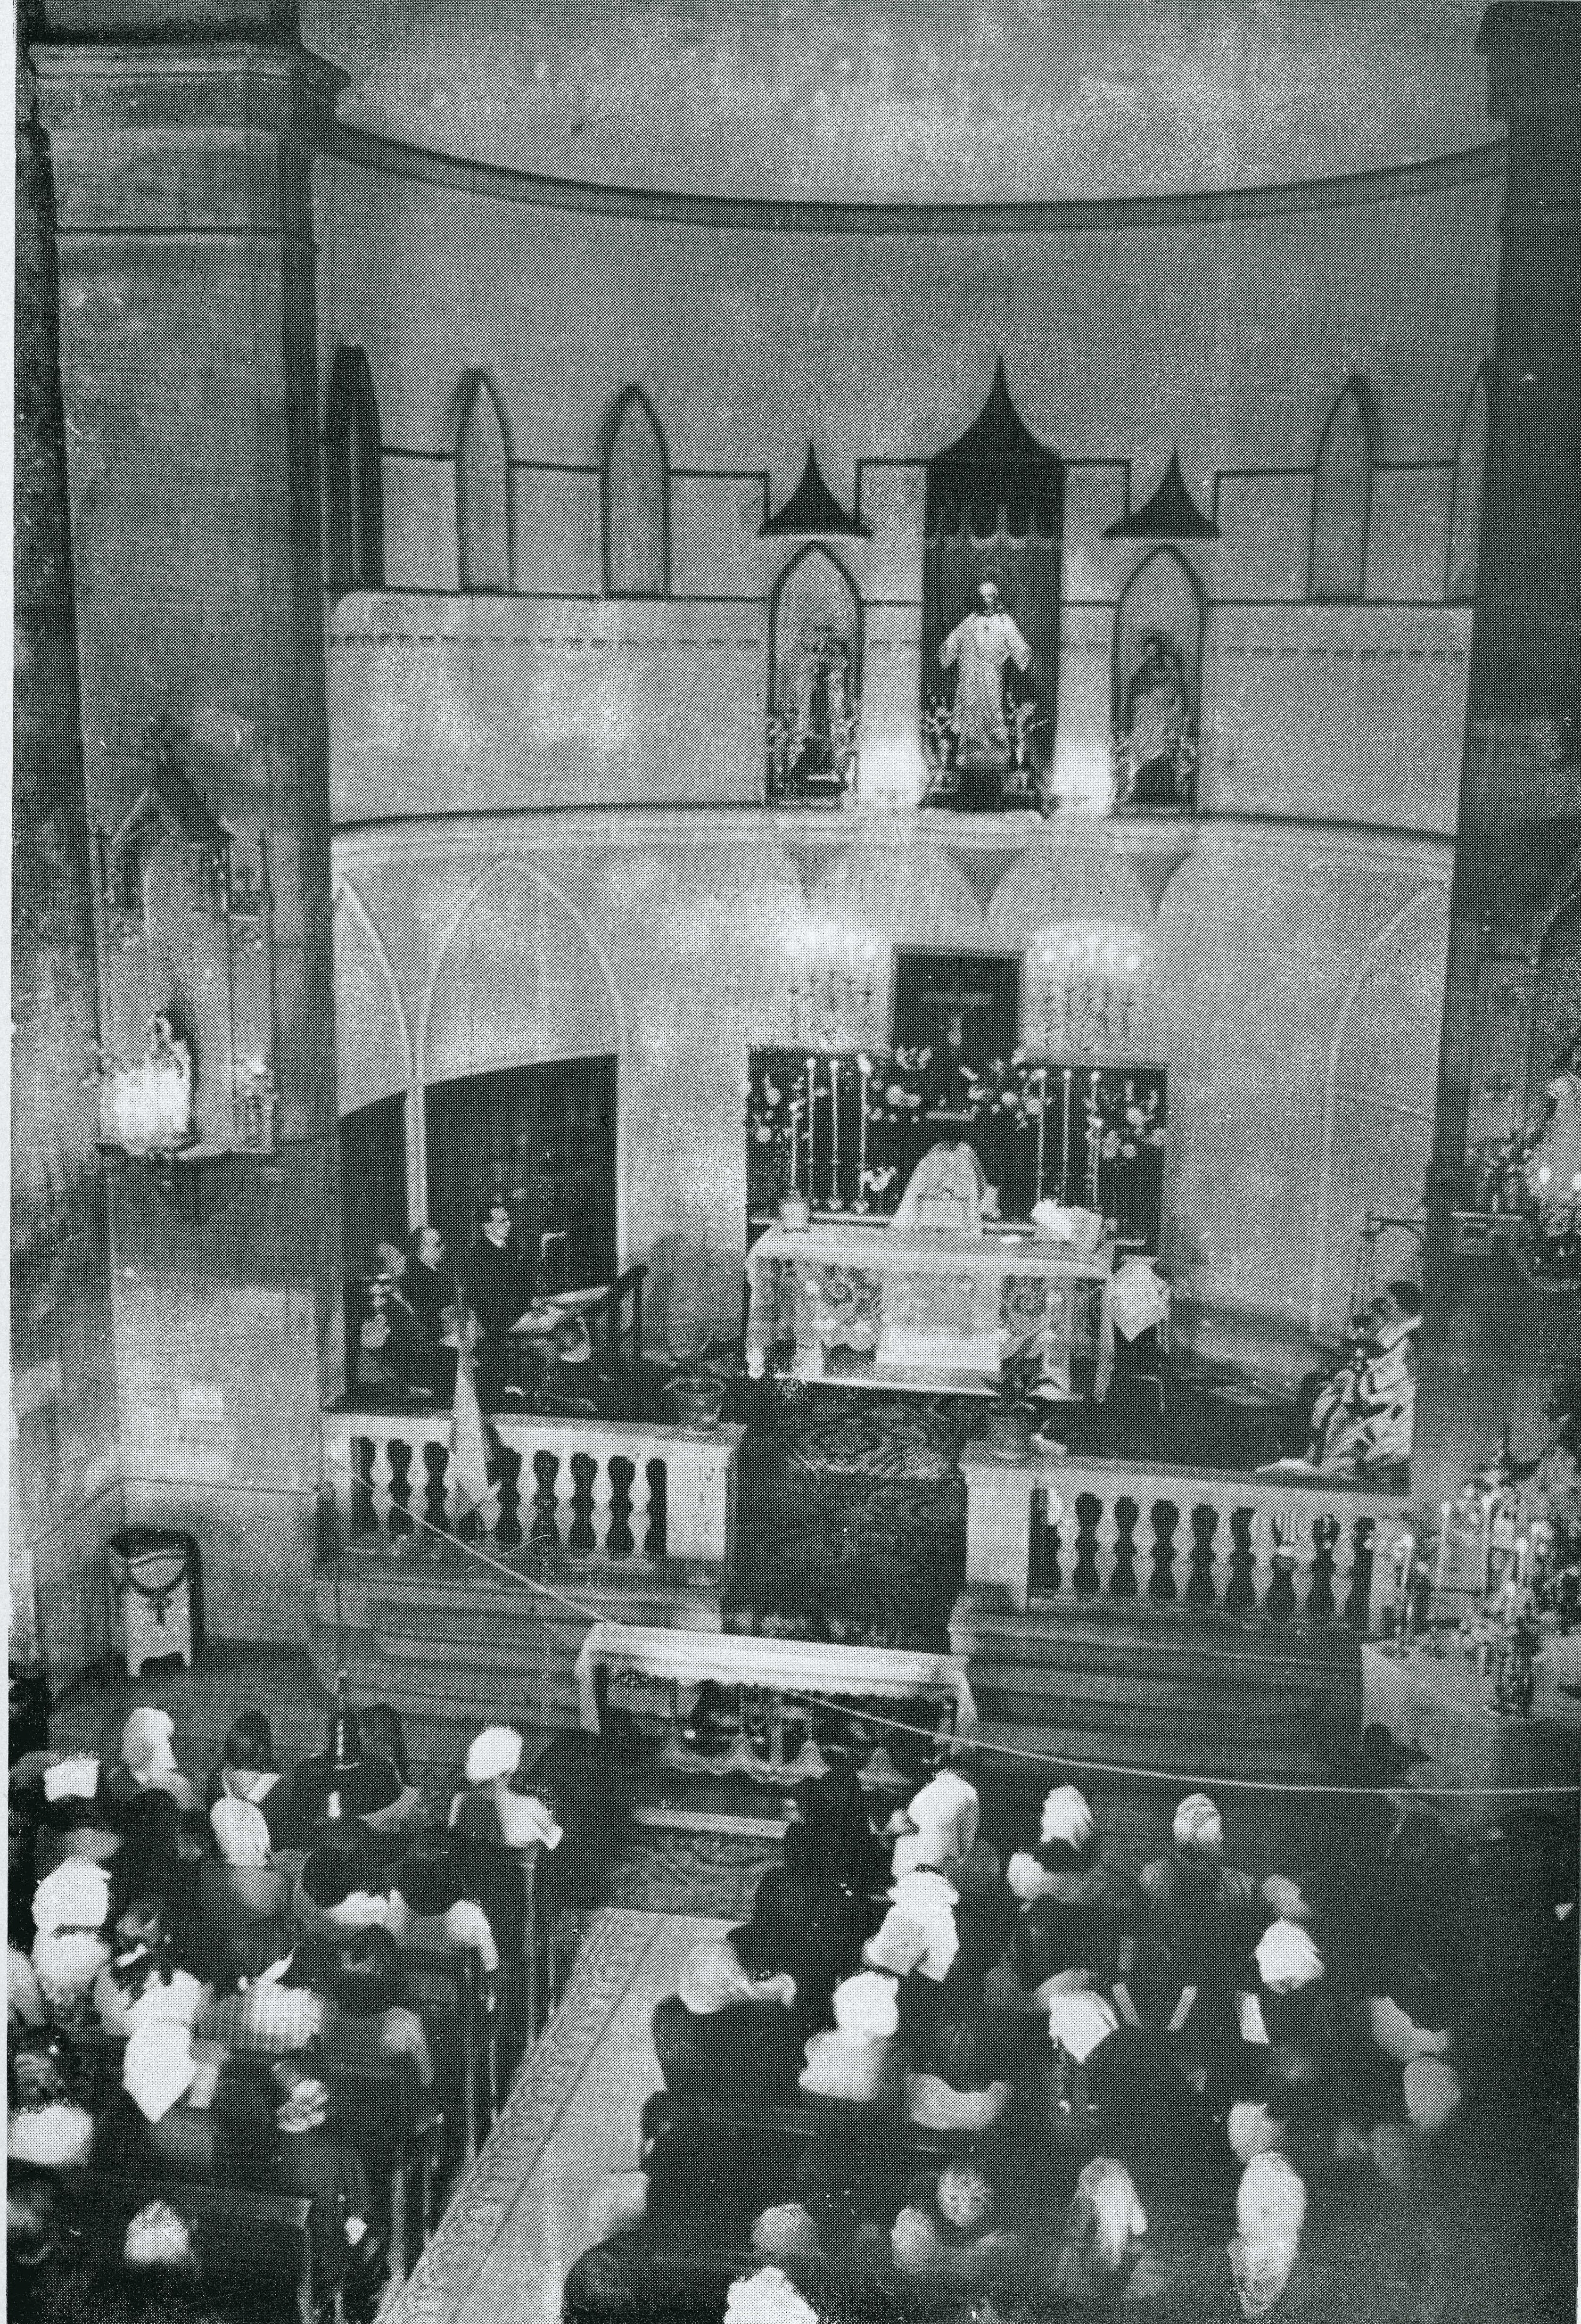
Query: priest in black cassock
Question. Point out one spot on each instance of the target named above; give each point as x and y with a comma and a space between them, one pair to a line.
498, 1280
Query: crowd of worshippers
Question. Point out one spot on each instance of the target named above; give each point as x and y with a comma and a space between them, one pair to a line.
991, 2067
230, 1943
411, 1309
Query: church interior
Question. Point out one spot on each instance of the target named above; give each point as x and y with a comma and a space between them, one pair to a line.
795, 1289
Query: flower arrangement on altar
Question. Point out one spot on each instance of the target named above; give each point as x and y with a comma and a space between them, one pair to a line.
1120, 1124
896, 1088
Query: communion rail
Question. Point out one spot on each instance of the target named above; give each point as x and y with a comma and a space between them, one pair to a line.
1188, 1540
610, 1494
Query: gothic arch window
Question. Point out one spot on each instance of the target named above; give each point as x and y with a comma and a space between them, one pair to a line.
353, 475
482, 488
815, 678
636, 494
1342, 495
1471, 451
1156, 683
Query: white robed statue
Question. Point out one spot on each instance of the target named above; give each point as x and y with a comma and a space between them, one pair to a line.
947, 1193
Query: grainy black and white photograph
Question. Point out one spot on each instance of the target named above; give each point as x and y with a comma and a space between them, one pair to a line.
795, 1171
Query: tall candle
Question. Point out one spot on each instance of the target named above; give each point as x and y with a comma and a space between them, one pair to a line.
1443, 1548
864, 1068
810, 1089
1092, 1143
834, 1130
1065, 1143
1043, 1107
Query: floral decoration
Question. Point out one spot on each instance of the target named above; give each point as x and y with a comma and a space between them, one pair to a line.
1122, 1124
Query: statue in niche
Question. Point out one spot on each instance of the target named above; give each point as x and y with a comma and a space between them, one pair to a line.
1157, 722
151, 1101
819, 707
990, 729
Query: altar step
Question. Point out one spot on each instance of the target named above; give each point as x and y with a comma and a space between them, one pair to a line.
1138, 1687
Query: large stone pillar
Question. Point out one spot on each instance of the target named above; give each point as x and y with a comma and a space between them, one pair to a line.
1492, 1341
182, 167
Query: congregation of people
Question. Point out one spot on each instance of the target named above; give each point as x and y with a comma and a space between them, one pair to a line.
257, 1978
926, 2075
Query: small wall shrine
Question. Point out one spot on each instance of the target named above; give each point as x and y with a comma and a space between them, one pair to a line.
187, 1062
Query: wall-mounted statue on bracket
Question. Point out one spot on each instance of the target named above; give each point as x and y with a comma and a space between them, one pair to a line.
994, 709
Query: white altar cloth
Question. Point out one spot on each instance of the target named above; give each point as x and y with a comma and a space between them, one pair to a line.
782, 1665
935, 1311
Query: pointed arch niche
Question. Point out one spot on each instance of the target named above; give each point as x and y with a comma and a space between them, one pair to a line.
1155, 683
482, 487
353, 461
1471, 452
815, 678
1342, 498
635, 472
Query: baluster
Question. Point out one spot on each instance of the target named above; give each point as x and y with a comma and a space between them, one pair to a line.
1241, 1594
382, 1489
1280, 1602
508, 1525
637, 1509
400, 1525
604, 1507
1161, 1587
1320, 1596
359, 1511
1089, 1511
1359, 1596
1201, 1588
565, 1501
1047, 1509
1123, 1580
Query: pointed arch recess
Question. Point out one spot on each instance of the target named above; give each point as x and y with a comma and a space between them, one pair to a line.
484, 542
1471, 451
1164, 598
634, 471
814, 675
1342, 498
354, 449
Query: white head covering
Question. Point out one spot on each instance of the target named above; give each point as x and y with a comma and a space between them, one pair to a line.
786, 2231
769, 2297
147, 1745
493, 1754
1397, 2034
946, 1813
1080, 2023
713, 1978
1287, 1958
72, 1779
1066, 1817
1025, 1877
1105, 2214
1432, 2093
158, 2068
158, 2236
240, 1834
1199, 1828
1138, 1299
865, 2007
919, 1929
1271, 2208
1252, 2130
75, 1895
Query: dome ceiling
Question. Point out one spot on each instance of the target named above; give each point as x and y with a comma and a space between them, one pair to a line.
915, 100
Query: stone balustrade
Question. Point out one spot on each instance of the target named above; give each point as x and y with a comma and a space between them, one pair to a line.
611, 1493
1196, 1540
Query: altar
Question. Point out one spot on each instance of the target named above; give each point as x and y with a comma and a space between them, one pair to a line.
873, 1306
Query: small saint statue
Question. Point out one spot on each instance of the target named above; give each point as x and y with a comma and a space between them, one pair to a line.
987, 740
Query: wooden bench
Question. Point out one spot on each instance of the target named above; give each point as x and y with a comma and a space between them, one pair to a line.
233, 2228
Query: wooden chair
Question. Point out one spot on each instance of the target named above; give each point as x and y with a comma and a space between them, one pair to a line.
446, 1990
235, 2230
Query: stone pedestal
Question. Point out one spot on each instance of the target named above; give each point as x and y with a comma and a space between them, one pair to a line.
182, 169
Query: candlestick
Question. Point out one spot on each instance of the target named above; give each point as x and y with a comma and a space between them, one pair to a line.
1043, 1107
1443, 1550
811, 1087
1065, 1143
864, 1069
834, 1130
1092, 1143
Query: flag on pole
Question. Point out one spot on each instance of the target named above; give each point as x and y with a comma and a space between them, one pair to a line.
469, 1447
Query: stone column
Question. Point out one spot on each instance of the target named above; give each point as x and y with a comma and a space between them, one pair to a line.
183, 177
1492, 1342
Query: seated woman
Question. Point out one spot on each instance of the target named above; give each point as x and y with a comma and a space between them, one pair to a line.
70, 1907
45, 2127
860, 2063
161, 1854
491, 1810
384, 1737
141, 1981
950, 2233
307, 2157
430, 1908
365, 2021
728, 2034
337, 1890
246, 1768
148, 1760
959, 2085
1103, 2257
165, 2122
833, 1840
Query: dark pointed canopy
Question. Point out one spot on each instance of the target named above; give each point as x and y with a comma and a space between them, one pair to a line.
997, 472
1172, 514
813, 507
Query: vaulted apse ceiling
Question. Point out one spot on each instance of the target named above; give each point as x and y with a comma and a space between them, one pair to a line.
924, 100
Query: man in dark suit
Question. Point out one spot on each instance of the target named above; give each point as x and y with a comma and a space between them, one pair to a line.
498, 1281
